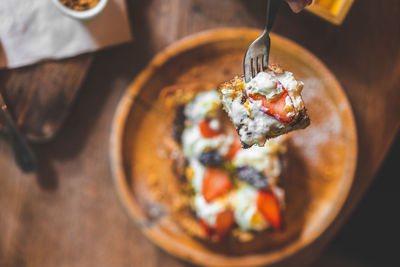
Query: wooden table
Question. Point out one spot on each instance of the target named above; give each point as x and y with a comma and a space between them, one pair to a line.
68, 214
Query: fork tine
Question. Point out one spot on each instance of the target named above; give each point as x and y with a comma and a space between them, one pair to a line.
262, 63
261, 46
258, 64
252, 68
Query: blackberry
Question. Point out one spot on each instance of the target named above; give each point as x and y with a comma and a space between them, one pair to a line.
252, 176
211, 158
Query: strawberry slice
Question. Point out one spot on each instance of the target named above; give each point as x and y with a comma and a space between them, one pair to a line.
276, 107
223, 223
207, 229
216, 182
235, 147
268, 205
205, 129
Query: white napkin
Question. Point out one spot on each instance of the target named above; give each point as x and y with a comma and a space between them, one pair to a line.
33, 30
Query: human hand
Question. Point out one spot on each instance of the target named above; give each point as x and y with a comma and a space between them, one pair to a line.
298, 5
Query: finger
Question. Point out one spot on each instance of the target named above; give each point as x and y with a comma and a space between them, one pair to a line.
298, 5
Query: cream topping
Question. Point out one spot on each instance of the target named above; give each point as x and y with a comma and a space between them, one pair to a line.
250, 117
246, 213
194, 143
293, 88
265, 83
202, 105
264, 159
209, 211
255, 125
198, 175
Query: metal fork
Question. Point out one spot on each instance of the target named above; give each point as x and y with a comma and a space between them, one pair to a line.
23, 154
257, 55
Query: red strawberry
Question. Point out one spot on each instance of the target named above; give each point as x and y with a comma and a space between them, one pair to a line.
205, 129
216, 182
276, 107
268, 205
224, 223
207, 229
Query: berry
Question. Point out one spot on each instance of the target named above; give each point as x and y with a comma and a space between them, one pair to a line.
224, 222
268, 205
252, 176
277, 107
216, 183
211, 158
205, 129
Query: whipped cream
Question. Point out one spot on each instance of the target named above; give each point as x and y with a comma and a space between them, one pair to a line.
194, 143
264, 159
265, 83
209, 211
246, 213
203, 105
250, 116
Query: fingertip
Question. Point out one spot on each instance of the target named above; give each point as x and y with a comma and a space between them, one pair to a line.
299, 5
296, 7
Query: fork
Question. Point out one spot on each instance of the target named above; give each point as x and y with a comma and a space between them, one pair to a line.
257, 54
24, 157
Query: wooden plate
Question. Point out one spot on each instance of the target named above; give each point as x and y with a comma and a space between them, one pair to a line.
320, 161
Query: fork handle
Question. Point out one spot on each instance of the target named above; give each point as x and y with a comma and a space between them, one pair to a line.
272, 9
24, 157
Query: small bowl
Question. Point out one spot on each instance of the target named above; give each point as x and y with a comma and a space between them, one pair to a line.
81, 14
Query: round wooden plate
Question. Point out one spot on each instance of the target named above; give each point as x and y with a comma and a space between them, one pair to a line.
319, 163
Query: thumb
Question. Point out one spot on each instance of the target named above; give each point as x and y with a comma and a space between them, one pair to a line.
298, 5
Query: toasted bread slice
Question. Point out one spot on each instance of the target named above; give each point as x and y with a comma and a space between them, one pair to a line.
220, 190
173, 99
268, 106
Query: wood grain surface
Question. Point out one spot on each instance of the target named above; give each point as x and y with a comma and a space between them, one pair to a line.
41, 96
319, 162
68, 214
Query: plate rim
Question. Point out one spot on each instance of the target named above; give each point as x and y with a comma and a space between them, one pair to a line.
116, 149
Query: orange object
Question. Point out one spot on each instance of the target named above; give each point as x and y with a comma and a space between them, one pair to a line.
216, 182
268, 205
207, 229
224, 223
334, 11
80, 4
206, 130
276, 108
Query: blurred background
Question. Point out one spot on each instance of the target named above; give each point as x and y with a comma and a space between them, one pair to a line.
63, 89
369, 236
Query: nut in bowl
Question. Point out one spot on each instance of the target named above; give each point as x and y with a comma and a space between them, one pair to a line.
81, 9
317, 167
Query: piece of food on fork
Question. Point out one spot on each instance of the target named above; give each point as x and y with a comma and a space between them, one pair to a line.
267, 106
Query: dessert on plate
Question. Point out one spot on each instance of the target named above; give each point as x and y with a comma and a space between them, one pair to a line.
267, 106
228, 190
